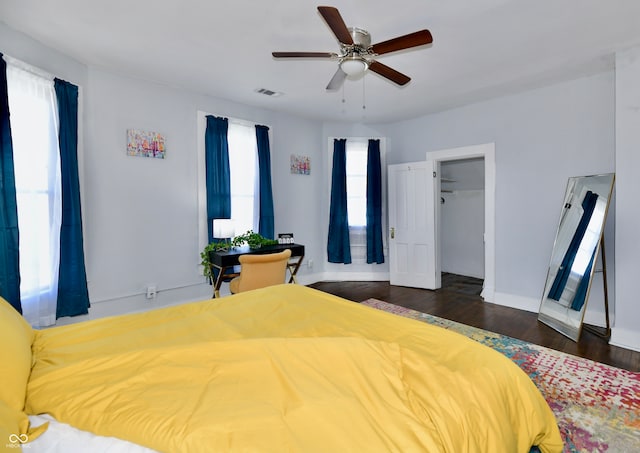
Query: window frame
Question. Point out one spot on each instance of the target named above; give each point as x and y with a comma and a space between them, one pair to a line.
37, 301
203, 237
358, 234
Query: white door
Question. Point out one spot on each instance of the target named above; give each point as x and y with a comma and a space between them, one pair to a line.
413, 257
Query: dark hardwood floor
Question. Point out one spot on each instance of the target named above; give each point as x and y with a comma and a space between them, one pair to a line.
459, 300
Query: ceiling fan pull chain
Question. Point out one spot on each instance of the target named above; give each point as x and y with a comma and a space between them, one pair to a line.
364, 99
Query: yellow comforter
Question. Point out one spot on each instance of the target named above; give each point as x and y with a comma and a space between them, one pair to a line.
286, 368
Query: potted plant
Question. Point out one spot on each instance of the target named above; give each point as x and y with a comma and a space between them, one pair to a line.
253, 240
205, 260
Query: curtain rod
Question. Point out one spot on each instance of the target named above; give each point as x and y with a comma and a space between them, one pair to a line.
27, 67
235, 120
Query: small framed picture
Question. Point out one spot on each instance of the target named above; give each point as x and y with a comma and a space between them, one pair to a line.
300, 165
145, 144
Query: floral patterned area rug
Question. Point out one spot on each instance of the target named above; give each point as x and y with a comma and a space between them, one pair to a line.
597, 406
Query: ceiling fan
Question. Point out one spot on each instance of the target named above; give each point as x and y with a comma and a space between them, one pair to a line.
356, 52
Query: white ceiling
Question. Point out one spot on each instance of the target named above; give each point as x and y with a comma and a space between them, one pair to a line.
481, 48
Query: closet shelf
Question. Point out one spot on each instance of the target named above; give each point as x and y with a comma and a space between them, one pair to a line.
460, 190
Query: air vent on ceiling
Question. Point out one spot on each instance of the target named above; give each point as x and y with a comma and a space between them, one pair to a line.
267, 92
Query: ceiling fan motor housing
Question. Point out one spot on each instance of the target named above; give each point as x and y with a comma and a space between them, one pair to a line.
361, 38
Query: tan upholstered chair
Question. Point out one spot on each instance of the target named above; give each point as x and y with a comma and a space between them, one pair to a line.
258, 271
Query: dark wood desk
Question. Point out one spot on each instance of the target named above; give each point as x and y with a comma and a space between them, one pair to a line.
221, 262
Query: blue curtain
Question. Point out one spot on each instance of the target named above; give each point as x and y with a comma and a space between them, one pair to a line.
73, 295
9, 242
560, 281
266, 220
338, 247
218, 179
375, 253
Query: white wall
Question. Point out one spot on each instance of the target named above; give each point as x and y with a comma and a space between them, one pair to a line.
626, 331
142, 213
541, 137
18, 45
298, 203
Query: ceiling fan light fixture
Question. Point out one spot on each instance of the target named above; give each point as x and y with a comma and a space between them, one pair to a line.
353, 66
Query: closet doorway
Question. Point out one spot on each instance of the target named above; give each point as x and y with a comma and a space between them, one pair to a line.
465, 213
462, 225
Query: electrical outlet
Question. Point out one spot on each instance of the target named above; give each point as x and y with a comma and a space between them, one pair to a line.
310, 264
151, 292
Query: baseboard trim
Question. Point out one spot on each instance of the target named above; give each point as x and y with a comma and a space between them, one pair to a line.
139, 303
515, 301
593, 317
625, 338
308, 279
488, 294
355, 276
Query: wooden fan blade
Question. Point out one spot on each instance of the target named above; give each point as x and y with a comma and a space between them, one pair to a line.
334, 20
389, 73
419, 38
337, 80
303, 54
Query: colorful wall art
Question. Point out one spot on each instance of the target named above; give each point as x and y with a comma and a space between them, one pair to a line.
145, 144
300, 165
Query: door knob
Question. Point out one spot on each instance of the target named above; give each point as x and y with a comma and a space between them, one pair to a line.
393, 232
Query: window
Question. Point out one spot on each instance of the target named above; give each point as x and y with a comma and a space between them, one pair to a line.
243, 166
357, 183
32, 103
356, 169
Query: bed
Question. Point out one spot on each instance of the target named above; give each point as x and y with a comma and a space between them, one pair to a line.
285, 368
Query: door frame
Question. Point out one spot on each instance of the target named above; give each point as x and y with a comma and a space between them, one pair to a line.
486, 151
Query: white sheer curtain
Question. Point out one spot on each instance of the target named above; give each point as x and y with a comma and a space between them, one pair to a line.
243, 166
357, 198
34, 132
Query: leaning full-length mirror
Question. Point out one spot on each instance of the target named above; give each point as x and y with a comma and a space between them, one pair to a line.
574, 254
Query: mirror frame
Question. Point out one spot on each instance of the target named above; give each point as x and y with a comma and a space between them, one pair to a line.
570, 330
